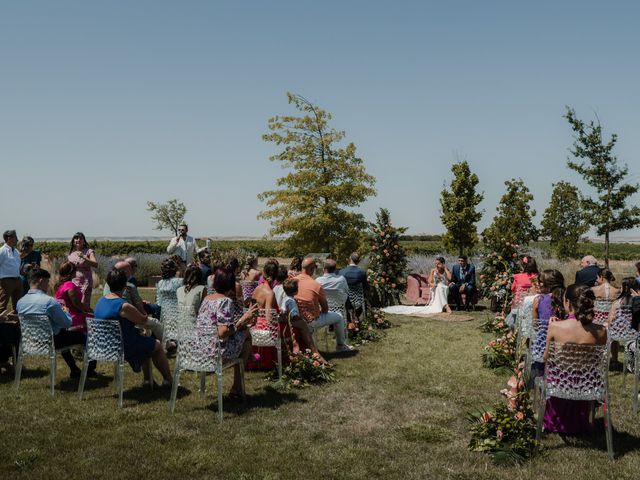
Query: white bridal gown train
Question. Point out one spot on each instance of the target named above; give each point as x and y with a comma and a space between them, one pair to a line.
438, 301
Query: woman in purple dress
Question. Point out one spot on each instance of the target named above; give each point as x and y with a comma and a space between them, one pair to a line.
572, 416
550, 303
84, 259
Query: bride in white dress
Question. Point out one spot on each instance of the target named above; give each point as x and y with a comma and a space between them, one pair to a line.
439, 279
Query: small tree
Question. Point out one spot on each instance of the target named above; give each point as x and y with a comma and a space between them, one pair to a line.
167, 216
314, 206
458, 214
513, 224
387, 269
608, 212
563, 220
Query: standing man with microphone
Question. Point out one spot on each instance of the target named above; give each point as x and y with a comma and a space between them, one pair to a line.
183, 245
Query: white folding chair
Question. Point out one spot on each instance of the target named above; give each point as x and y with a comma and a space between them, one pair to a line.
36, 339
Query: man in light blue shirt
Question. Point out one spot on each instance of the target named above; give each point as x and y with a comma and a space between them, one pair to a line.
37, 302
335, 286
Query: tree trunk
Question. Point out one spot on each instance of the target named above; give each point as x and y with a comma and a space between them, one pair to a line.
606, 249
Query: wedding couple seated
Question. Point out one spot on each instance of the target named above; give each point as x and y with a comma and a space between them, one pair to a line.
455, 286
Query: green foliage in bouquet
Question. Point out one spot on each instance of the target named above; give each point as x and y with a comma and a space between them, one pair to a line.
367, 330
387, 268
496, 275
506, 431
305, 369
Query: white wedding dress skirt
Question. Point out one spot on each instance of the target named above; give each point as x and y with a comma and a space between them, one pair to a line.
439, 297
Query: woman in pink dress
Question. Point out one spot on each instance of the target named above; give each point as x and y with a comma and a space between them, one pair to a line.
84, 259
69, 296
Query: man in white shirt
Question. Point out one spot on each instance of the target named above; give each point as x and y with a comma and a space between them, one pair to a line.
10, 283
183, 245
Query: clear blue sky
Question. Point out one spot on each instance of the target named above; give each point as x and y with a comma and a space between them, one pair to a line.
105, 105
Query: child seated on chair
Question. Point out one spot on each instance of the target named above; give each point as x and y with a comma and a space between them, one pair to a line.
301, 333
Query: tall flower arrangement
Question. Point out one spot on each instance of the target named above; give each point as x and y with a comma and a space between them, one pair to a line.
496, 275
387, 268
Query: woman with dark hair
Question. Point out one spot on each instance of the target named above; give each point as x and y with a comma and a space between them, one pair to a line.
28, 258
84, 259
138, 349
623, 302
69, 296
169, 283
603, 289
549, 304
250, 273
522, 281
572, 416
192, 292
217, 313
295, 267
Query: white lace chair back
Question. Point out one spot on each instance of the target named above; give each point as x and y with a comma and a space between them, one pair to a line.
170, 319
268, 333
199, 350
356, 295
248, 287
36, 335
187, 315
577, 372
525, 317
601, 309
518, 297
335, 302
104, 340
620, 329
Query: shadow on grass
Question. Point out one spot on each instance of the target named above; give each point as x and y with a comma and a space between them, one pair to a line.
331, 355
9, 377
269, 398
623, 442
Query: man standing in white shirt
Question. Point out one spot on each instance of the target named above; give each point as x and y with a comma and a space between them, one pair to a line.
10, 284
183, 245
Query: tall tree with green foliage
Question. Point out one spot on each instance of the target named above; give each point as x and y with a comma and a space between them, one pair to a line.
167, 216
388, 265
459, 215
513, 223
314, 205
608, 211
563, 221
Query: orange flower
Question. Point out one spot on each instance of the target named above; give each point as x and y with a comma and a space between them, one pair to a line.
316, 363
486, 417
520, 416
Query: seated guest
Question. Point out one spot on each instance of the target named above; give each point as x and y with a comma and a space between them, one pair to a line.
312, 302
603, 290
132, 296
572, 416
334, 284
234, 264
264, 292
28, 258
37, 302
204, 262
589, 271
638, 272
463, 281
217, 312
167, 286
133, 264
301, 329
250, 272
278, 290
522, 281
295, 267
192, 292
355, 277
152, 309
138, 348
68, 294
624, 300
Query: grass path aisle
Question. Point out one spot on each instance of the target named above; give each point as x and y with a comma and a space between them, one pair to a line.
397, 410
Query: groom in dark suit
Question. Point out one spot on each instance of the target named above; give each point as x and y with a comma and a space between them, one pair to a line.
463, 280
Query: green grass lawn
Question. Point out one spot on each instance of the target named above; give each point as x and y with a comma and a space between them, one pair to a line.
396, 410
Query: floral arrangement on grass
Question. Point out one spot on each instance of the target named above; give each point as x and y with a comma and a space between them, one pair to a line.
367, 329
500, 352
388, 261
305, 369
379, 319
506, 432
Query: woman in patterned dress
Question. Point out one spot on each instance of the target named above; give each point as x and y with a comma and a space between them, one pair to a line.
218, 313
84, 259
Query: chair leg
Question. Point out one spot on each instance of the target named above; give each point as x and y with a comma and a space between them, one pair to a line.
120, 383
635, 393
174, 389
279, 352
149, 368
242, 389
18, 368
608, 430
540, 405
83, 375
219, 385
53, 373
203, 381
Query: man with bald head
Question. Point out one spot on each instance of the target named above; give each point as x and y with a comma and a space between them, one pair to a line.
312, 301
589, 272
